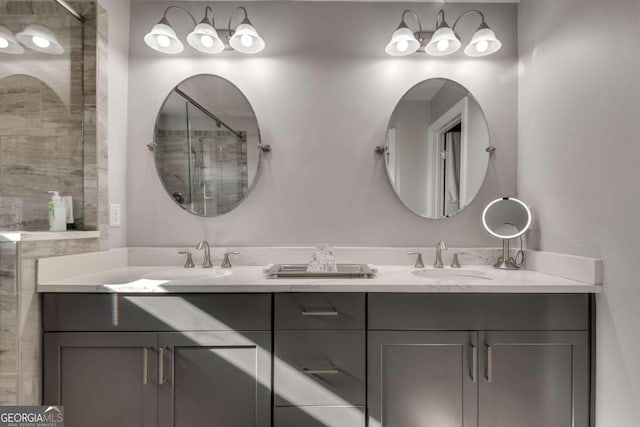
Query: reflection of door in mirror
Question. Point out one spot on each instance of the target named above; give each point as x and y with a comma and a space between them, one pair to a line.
450, 158
447, 145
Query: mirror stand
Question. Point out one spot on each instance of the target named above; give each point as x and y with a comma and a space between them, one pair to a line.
506, 262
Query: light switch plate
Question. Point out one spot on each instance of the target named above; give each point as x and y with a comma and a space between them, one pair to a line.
116, 215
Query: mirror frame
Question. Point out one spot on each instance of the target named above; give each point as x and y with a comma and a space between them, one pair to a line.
261, 148
385, 147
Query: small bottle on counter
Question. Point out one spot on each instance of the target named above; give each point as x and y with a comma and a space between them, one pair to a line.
57, 213
68, 206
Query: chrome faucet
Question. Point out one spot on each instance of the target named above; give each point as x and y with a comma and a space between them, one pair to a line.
441, 246
206, 262
226, 263
419, 263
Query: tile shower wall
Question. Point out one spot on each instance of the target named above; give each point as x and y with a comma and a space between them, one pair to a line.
323, 92
20, 324
20, 316
41, 145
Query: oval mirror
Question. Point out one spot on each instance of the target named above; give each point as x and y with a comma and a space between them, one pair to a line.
506, 219
436, 151
207, 145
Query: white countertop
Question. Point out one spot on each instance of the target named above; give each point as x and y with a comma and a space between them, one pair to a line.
390, 278
34, 236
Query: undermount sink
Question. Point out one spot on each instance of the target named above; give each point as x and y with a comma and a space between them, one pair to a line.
183, 274
452, 274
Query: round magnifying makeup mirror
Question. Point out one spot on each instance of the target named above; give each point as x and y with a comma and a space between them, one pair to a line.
506, 218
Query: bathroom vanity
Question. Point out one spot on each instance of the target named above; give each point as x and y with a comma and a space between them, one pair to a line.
336, 359
399, 349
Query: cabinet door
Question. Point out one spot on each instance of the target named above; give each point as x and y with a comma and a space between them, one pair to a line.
422, 379
215, 378
533, 379
102, 379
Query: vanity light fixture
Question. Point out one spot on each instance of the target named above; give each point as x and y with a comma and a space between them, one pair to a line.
444, 41
40, 39
8, 42
204, 37
403, 41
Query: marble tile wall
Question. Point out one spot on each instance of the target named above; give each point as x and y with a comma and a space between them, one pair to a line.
27, 312
40, 119
47, 137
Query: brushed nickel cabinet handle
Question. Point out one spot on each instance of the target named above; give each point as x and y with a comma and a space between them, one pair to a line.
320, 313
474, 363
161, 378
489, 363
330, 371
145, 365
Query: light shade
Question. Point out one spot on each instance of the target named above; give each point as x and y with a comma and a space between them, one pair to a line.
443, 42
163, 38
205, 39
483, 42
403, 42
40, 39
245, 39
8, 42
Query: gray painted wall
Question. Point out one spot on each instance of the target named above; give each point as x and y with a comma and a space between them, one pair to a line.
578, 157
323, 92
118, 51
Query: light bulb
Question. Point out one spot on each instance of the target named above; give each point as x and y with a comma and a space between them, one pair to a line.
246, 40
207, 41
40, 42
402, 45
163, 41
3, 43
482, 46
443, 45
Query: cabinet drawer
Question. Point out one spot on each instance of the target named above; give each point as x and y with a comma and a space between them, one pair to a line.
105, 312
478, 312
319, 311
319, 368
320, 416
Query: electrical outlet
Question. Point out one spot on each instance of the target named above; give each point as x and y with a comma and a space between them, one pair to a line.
116, 215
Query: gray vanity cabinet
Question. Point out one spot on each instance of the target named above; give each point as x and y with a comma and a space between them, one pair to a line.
522, 362
319, 360
159, 361
534, 378
215, 378
102, 379
422, 378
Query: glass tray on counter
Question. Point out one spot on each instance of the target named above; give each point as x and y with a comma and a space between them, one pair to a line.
353, 271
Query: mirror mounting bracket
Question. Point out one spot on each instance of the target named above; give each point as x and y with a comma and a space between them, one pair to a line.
265, 148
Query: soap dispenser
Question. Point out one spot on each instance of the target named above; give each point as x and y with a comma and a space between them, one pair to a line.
57, 213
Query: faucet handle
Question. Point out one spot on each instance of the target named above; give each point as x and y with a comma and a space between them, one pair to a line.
226, 263
419, 263
189, 263
455, 263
